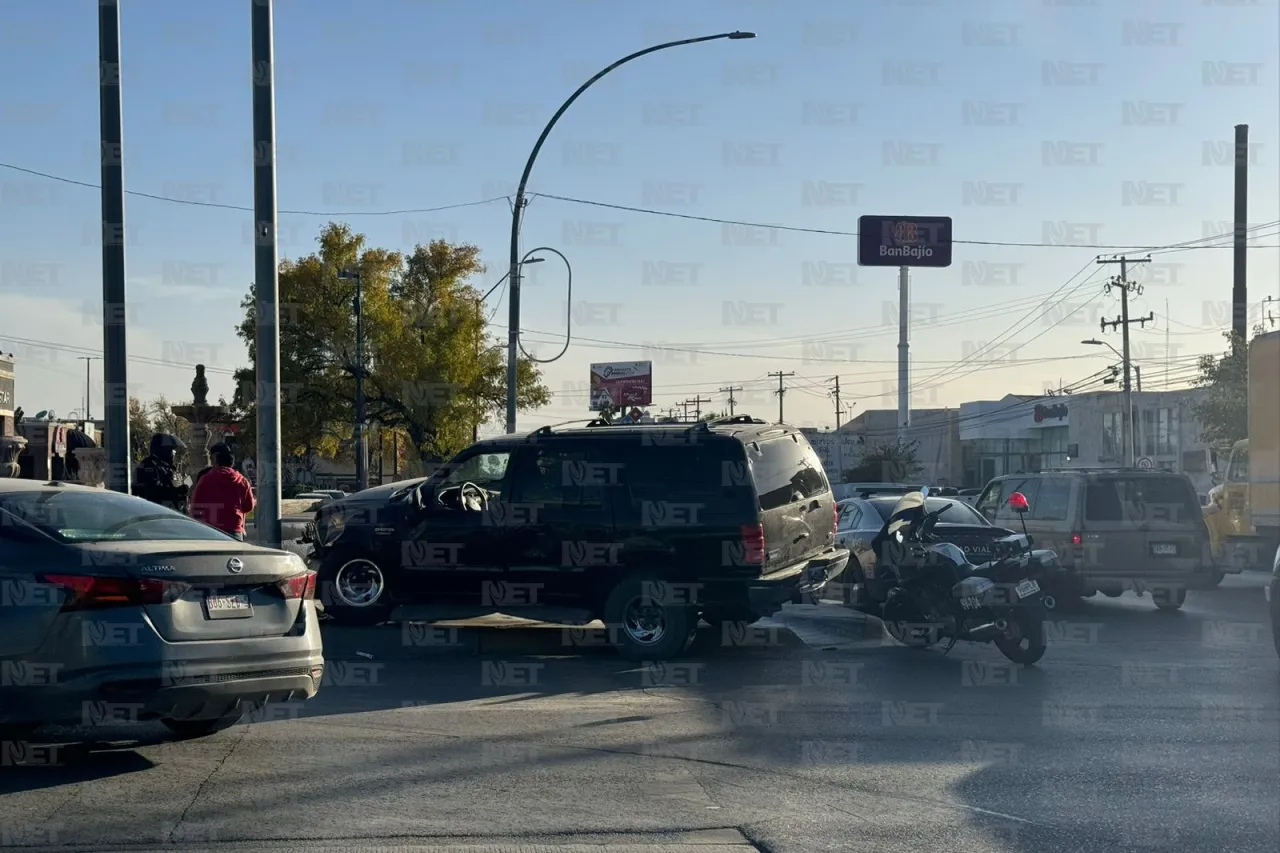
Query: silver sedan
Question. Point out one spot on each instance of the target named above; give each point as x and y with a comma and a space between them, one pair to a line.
114, 609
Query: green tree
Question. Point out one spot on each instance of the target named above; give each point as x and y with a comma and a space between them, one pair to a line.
432, 374
140, 429
1224, 412
887, 462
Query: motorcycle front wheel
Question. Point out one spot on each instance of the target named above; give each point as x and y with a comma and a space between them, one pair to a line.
1024, 641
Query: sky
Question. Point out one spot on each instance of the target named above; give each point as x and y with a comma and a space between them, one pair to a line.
1047, 124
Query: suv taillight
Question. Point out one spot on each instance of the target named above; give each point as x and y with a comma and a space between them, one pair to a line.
300, 586
753, 544
85, 592
835, 519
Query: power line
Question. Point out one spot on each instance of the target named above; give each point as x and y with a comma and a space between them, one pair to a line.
834, 233
793, 228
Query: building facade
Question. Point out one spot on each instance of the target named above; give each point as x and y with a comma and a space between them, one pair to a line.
936, 433
1020, 433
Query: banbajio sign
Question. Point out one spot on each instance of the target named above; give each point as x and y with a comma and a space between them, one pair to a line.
1055, 415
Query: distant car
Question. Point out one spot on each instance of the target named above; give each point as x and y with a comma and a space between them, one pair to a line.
860, 519
115, 610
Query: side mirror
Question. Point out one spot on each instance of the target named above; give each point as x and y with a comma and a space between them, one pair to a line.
1018, 503
1215, 478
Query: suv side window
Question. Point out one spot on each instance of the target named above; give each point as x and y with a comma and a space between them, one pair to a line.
560, 477
1030, 488
704, 472
785, 471
1054, 500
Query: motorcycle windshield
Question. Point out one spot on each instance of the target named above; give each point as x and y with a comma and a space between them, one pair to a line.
906, 510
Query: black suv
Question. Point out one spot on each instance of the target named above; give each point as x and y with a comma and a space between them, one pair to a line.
646, 527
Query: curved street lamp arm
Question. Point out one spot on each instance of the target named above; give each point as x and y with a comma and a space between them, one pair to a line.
546, 131
568, 320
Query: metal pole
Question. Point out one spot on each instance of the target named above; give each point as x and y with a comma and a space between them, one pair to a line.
1240, 264
362, 439
517, 210
115, 356
904, 377
1128, 424
266, 285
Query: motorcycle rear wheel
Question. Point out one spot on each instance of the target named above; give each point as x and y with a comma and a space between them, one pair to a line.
909, 635
1024, 642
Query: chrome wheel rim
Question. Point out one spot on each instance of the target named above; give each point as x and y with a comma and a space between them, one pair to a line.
359, 583
644, 622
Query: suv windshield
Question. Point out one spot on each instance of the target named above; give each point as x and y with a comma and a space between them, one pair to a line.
1147, 497
103, 516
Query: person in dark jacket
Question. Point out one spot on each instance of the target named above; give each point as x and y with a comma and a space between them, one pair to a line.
157, 479
222, 495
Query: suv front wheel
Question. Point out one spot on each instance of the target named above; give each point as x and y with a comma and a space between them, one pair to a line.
644, 627
354, 589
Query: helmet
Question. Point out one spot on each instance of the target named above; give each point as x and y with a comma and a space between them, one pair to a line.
165, 441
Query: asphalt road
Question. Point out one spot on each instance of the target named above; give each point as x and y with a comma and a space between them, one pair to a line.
1138, 731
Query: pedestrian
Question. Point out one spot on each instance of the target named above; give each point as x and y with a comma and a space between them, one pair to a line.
222, 495
156, 478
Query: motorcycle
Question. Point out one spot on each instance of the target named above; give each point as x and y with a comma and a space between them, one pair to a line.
935, 593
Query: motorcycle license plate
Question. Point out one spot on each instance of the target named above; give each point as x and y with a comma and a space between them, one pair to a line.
1027, 588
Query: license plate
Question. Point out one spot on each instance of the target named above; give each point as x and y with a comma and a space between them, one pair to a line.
1027, 588
1164, 549
234, 606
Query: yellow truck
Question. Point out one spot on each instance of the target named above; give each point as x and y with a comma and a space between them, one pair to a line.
1243, 514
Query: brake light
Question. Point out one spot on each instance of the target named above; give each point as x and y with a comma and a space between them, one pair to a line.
753, 544
1077, 539
86, 592
835, 519
300, 586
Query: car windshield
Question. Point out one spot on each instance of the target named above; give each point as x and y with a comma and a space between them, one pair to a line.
954, 512
102, 516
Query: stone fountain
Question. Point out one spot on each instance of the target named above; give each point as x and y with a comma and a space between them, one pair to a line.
200, 415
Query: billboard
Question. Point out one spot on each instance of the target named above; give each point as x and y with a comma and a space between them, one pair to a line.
904, 241
619, 384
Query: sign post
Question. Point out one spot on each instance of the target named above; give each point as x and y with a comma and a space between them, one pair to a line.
904, 242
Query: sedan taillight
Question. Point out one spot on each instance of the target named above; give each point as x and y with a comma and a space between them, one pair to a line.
86, 592
300, 586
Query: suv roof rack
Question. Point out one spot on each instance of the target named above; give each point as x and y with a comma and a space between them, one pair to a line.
734, 419
1096, 469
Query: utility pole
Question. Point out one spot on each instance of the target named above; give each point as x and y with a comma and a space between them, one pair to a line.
732, 401
266, 275
697, 402
685, 406
1129, 428
1240, 263
88, 396
362, 447
904, 351
115, 362
781, 389
836, 394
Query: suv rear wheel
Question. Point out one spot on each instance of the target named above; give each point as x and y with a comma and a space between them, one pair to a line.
644, 628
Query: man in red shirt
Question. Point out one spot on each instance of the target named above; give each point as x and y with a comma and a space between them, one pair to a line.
222, 495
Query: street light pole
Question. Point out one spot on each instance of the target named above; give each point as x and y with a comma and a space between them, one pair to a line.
517, 209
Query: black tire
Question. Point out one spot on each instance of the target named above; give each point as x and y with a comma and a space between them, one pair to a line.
190, 729
1026, 643
1169, 599
1217, 578
629, 606
339, 577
